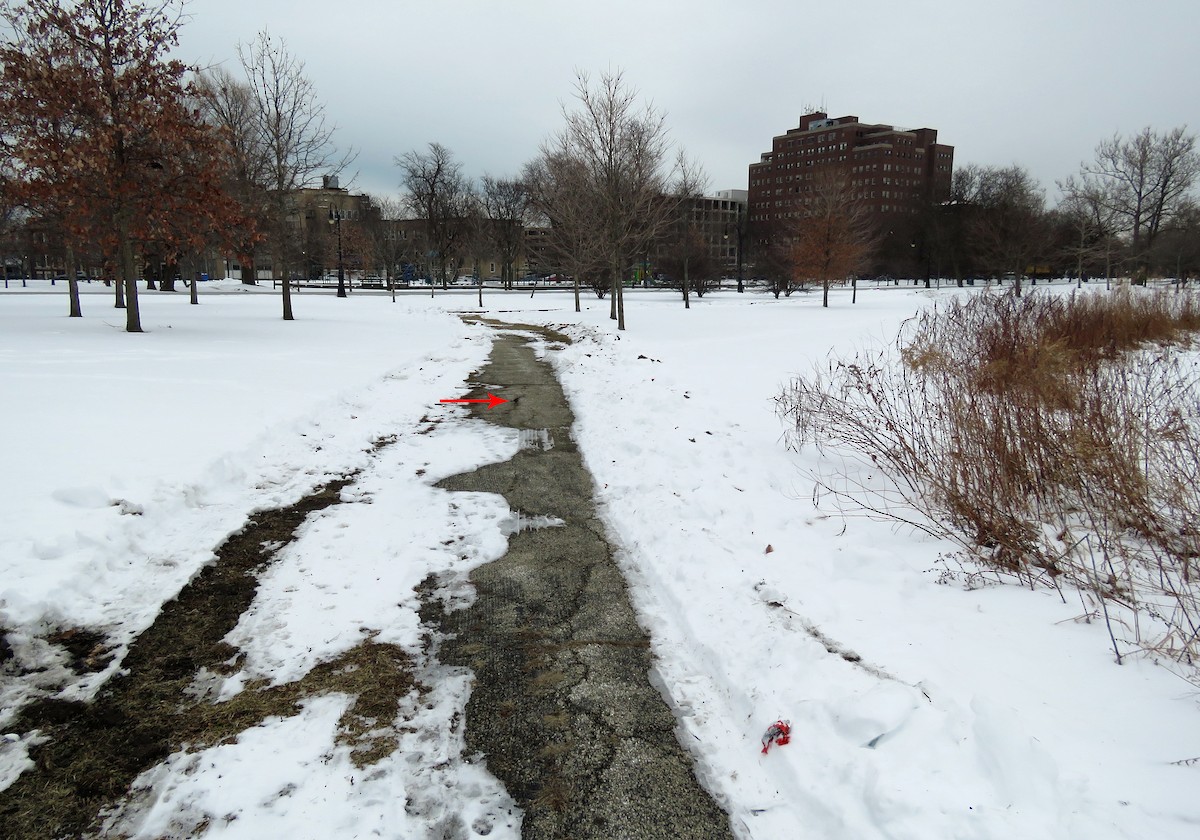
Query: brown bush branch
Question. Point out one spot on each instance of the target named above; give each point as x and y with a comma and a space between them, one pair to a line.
1051, 438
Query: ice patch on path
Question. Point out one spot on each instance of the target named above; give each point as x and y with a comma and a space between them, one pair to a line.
536, 439
518, 522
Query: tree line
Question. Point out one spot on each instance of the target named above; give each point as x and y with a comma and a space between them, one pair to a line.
1132, 210
123, 153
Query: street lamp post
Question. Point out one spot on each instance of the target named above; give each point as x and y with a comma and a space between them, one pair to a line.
335, 219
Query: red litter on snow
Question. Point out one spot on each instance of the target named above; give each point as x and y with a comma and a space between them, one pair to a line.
779, 732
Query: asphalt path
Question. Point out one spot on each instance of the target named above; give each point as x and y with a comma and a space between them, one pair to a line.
563, 707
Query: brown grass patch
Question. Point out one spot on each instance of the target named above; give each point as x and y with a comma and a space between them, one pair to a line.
1054, 438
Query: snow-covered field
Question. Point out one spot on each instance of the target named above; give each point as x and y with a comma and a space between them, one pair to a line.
127, 459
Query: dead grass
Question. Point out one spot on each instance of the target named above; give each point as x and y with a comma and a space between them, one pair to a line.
557, 720
556, 750
554, 795
161, 702
547, 681
1056, 439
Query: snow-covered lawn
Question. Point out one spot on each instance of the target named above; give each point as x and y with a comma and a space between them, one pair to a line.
918, 709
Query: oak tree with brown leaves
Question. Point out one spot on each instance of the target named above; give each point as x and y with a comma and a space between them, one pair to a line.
96, 122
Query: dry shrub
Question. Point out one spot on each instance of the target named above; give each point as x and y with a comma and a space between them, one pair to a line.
1056, 439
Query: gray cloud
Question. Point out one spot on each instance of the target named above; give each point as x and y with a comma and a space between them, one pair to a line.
1037, 82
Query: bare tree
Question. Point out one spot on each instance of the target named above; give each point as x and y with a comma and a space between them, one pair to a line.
289, 122
1149, 177
229, 105
949, 232
834, 236
559, 192
505, 205
1177, 250
390, 247
622, 148
438, 193
1087, 210
1009, 224
686, 248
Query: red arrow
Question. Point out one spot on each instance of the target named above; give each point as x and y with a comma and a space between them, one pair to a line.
492, 401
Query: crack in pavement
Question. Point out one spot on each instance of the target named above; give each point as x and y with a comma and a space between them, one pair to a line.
562, 707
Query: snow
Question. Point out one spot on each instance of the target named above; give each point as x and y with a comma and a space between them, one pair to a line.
918, 709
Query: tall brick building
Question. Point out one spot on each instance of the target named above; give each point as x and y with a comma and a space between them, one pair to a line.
897, 173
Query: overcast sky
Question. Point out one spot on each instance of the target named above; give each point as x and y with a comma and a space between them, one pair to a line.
1035, 82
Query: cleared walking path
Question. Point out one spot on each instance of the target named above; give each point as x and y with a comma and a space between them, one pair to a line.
562, 704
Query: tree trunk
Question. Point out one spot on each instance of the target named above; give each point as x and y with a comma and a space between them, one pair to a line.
133, 318
279, 270
194, 292
166, 283
853, 290
577, 308
1079, 263
614, 286
620, 304
287, 301
72, 284
687, 303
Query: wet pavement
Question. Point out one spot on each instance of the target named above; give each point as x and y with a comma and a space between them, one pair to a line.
563, 707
